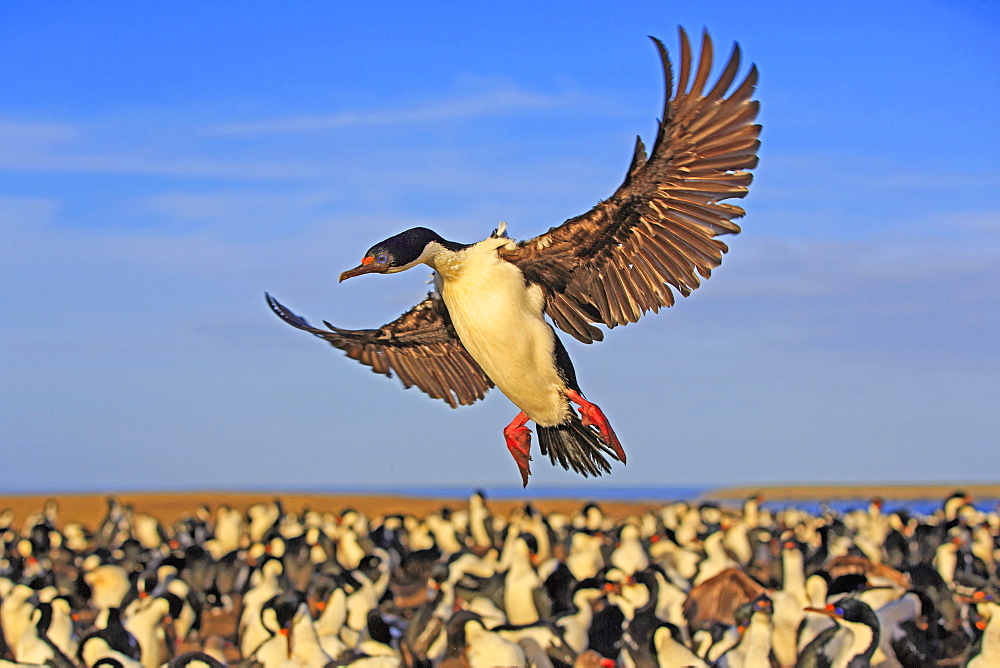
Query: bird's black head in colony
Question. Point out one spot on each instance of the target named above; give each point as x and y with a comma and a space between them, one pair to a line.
398, 252
848, 609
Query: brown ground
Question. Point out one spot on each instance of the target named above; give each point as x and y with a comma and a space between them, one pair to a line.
90, 508
889, 491
169, 506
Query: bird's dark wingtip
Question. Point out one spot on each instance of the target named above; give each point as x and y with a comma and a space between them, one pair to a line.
272, 302
292, 319
276, 306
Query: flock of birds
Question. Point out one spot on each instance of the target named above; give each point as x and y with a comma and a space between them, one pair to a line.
683, 585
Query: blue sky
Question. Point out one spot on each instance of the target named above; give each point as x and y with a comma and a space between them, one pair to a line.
161, 166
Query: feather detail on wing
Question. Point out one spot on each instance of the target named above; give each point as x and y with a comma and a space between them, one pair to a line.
658, 231
420, 346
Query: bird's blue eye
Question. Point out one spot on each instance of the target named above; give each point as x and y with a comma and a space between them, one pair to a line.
382, 258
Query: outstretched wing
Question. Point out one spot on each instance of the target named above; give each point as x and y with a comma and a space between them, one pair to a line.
617, 261
420, 346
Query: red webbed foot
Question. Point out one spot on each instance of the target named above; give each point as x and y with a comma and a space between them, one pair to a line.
592, 416
518, 439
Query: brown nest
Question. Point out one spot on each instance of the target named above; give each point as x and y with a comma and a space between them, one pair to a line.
851, 564
716, 599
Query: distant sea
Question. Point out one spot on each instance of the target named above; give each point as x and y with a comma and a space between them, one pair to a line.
596, 493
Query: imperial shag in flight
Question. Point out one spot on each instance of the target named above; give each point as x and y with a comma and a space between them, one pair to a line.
484, 324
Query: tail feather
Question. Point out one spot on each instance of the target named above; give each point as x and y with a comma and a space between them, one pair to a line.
575, 447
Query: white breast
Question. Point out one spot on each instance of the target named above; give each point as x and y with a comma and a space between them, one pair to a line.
499, 320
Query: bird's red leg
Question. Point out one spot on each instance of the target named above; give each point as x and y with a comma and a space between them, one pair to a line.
518, 439
591, 415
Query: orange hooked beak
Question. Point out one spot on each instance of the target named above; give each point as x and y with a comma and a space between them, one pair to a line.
367, 266
830, 611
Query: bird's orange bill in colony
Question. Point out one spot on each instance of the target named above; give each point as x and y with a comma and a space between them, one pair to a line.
657, 234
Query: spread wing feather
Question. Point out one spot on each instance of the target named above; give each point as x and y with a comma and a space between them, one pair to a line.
657, 233
420, 346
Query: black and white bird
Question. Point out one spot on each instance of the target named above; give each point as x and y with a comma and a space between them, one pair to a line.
484, 324
850, 643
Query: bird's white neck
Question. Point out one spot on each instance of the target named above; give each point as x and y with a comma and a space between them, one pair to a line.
450, 264
861, 638
990, 648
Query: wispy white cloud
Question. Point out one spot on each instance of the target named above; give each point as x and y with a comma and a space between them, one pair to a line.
806, 270
987, 222
805, 175
16, 133
241, 211
892, 297
500, 100
138, 145
158, 144
26, 212
84, 161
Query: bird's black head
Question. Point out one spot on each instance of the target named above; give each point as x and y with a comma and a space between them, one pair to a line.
397, 253
850, 610
763, 604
